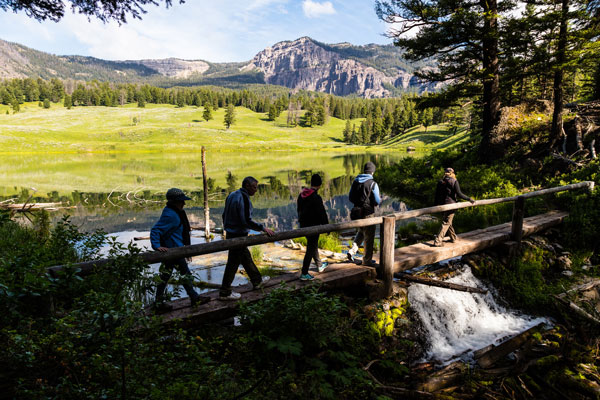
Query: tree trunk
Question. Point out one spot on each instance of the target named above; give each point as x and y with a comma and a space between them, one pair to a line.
557, 120
491, 80
205, 187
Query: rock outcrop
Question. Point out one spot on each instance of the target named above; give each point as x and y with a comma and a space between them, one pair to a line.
303, 64
306, 64
175, 67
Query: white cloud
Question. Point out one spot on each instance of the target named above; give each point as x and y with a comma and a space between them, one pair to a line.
313, 9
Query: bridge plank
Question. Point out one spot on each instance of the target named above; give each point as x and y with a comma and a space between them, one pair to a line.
336, 276
342, 275
424, 253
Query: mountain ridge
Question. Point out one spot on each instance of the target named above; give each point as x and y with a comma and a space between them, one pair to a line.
303, 64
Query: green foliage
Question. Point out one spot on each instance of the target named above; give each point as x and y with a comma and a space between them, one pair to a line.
327, 241
207, 114
525, 282
305, 337
257, 254
229, 118
581, 227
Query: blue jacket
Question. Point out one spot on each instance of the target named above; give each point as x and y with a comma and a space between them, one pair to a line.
168, 228
237, 216
362, 178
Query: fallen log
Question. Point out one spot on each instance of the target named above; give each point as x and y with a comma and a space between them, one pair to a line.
33, 206
490, 357
437, 283
444, 378
578, 310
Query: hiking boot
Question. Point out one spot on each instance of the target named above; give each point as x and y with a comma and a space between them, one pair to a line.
322, 267
438, 244
262, 283
353, 250
306, 277
198, 300
162, 308
233, 296
454, 240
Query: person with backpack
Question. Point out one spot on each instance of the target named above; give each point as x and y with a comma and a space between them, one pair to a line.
364, 194
237, 222
170, 231
311, 212
445, 193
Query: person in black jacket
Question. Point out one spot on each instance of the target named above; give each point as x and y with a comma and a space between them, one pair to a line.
364, 194
445, 193
311, 212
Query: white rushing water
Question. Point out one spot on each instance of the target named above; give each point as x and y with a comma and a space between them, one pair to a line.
458, 323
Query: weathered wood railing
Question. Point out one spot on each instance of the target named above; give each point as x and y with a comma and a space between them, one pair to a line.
387, 233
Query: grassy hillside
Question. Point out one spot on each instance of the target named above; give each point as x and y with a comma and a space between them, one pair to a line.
98, 149
167, 128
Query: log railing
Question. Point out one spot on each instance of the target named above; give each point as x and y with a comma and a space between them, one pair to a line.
387, 234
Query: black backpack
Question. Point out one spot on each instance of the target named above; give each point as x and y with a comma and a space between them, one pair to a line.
361, 200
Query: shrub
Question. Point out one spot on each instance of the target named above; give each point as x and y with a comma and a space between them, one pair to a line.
327, 241
257, 254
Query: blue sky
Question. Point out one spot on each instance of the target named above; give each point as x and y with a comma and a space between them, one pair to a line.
218, 31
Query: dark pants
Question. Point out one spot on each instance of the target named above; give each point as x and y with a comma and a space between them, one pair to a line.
312, 253
234, 259
165, 274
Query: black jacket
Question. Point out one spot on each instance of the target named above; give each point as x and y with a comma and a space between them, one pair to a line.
446, 191
311, 211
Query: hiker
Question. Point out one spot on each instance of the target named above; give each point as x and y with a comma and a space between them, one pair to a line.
237, 221
170, 231
364, 194
311, 212
445, 193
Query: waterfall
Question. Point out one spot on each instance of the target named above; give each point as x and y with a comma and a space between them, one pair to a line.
458, 323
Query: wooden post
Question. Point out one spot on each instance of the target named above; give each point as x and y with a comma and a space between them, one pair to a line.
517, 219
386, 253
206, 209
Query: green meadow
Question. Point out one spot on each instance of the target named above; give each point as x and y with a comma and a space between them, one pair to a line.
163, 128
98, 149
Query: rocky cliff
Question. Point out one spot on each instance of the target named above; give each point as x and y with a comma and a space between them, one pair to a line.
175, 67
303, 64
309, 65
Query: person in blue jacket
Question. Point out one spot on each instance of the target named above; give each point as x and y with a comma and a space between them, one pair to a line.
170, 231
364, 194
237, 222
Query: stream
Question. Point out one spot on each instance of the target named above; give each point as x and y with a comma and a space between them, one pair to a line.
458, 323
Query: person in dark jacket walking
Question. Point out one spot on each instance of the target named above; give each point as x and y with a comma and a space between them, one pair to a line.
364, 194
170, 231
445, 193
237, 222
311, 212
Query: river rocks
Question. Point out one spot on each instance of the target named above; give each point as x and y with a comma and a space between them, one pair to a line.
563, 263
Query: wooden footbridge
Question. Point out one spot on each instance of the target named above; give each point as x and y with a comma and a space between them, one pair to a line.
341, 275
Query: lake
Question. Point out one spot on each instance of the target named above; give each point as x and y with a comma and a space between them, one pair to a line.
125, 191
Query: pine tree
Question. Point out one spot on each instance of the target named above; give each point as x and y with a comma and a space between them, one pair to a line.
464, 34
347, 132
207, 114
273, 113
229, 118
353, 137
15, 104
68, 103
